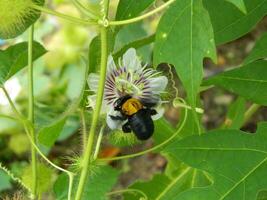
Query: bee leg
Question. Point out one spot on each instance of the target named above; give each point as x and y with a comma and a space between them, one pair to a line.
121, 118
126, 128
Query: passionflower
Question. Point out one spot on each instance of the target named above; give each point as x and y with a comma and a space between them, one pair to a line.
132, 78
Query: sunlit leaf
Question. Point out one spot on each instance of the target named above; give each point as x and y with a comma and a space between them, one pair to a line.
239, 4
5, 181
229, 23
97, 185
259, 51
44, 180
236, 160
15, 58
48, 135
249, 81
185, 42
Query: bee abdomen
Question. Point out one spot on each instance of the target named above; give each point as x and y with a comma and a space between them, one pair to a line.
142, 125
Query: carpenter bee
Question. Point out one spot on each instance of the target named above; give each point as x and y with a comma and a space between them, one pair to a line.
138, 117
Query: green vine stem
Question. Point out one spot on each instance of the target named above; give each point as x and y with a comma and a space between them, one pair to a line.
100, 92
250, 112
128, 191
155, 147
98, 143
75, 20
31, 110
28, 126
136, 19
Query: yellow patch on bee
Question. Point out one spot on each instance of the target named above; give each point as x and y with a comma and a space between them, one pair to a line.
131, 106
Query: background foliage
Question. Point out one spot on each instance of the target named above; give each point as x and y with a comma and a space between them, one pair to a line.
218, 49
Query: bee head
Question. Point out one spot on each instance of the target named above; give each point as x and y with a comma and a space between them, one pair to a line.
120, 101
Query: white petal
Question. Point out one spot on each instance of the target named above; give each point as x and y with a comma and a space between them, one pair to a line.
114, 124
131, 61
111, 64
93, 81
160, 111
158, 84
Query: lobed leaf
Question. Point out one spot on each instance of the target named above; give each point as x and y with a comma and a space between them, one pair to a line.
249, 81
185, 42
229, 23
239, 4
162, 187
131, 8
236, 160
259, 50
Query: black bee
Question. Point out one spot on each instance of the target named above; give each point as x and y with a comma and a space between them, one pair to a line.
139, 117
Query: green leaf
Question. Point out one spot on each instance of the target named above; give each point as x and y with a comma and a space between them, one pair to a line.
48, 135
236, 160
239, 4
229, 23
162, 187
5, 181
236, 114
44, 180
15, 58
127, 35
185, 42
249, 81
163, 130
97, 185
259, 51
131, 8
16, 16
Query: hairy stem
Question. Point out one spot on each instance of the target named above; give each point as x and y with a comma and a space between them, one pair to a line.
75, 20
98, 143
100, 92
28, 126
31, 110
84, 129
136, 19
155, 147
